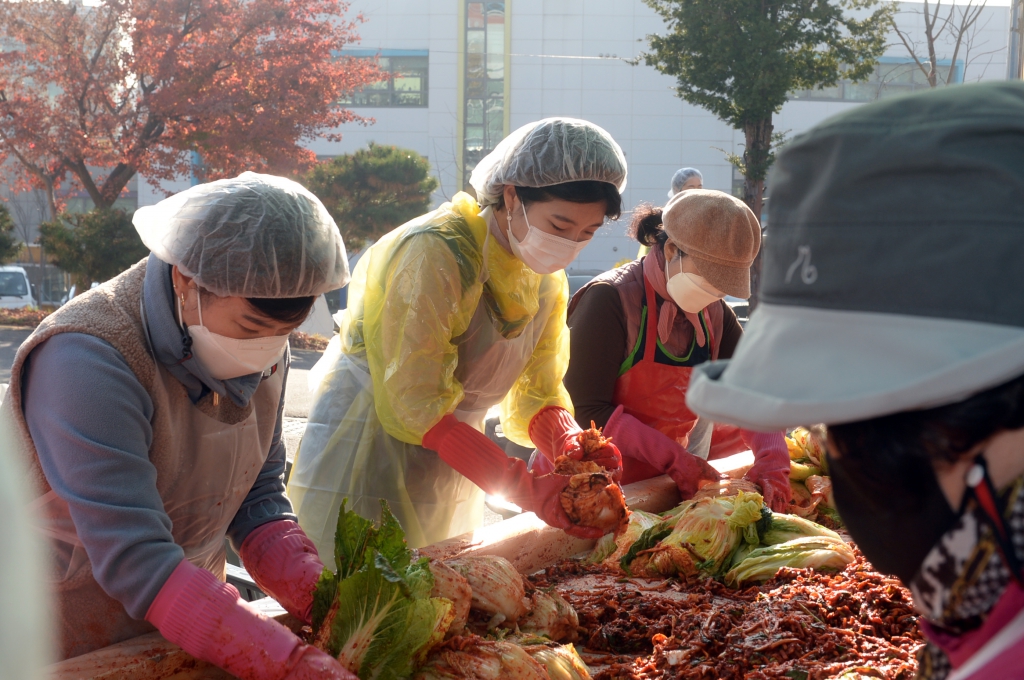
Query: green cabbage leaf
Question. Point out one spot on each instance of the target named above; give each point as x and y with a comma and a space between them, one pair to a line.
818, 552
375, 614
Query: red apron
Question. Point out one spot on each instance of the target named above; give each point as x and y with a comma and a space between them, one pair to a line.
654, 392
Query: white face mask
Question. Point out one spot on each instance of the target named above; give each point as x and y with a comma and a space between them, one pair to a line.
691, 291
227, 358
542, 252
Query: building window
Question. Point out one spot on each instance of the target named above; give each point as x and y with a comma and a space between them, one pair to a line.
405, 86
892, 76
484, 86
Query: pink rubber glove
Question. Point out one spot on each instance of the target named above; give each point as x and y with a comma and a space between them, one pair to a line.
285, 565
725, 441
555, 433
480, 460
644, 443
208, 620
771, 467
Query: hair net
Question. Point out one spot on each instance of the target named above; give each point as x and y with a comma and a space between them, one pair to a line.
251, 236
547, 152
681, 177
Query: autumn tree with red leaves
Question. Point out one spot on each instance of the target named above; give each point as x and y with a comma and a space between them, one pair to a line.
92, 95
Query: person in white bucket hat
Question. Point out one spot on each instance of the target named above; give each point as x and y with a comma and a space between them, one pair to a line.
892, 311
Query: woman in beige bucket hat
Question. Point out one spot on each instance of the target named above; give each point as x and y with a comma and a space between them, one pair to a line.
638, 331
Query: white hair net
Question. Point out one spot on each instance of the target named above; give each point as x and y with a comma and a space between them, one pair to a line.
251, 236
547, 152
681, 177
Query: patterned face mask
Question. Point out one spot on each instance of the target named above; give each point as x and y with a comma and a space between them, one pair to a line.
969, 569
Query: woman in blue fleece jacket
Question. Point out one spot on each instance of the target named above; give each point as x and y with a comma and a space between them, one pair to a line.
151, 408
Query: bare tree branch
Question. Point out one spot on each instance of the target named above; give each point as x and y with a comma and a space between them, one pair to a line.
970, 46
957, 26
910, 45
968, 17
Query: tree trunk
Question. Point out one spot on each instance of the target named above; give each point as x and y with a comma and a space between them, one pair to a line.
81, 170
116, 181
51, 199
756, 161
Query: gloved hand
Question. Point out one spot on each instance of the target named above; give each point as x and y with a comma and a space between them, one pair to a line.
555, 433
211, 622
643, 442
771, 467
285, 565
480, 460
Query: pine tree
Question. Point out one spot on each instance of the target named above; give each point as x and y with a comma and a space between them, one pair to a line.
372, 191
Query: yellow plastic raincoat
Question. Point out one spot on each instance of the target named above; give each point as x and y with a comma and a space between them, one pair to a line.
441, 319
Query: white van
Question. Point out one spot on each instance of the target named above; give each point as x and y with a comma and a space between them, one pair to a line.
15, 290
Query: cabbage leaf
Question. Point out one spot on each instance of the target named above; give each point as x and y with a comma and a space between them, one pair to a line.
561, 662
613, 546
818, 552
787, 527
375, 614
705, 537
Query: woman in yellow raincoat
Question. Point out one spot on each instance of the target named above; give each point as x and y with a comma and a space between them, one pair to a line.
450, 314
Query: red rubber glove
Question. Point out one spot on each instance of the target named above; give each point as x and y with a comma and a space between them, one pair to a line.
285, 565
645, 443
208, 620
555, 433
480, 460
771, 467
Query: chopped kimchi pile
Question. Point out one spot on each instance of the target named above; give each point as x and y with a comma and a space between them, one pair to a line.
800, 624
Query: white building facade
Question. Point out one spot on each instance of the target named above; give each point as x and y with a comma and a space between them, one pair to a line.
467, 72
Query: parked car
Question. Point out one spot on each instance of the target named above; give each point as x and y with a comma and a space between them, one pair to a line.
15, 289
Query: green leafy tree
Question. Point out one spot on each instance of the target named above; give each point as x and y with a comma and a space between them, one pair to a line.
372, 191
93, 246
741, 59
9, 245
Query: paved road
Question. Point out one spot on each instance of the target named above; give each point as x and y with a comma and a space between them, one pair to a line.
298, 398
10, 339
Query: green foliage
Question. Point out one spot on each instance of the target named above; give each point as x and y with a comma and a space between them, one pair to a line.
740, 59
9, 245
738, 160
373, 190
93, 246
